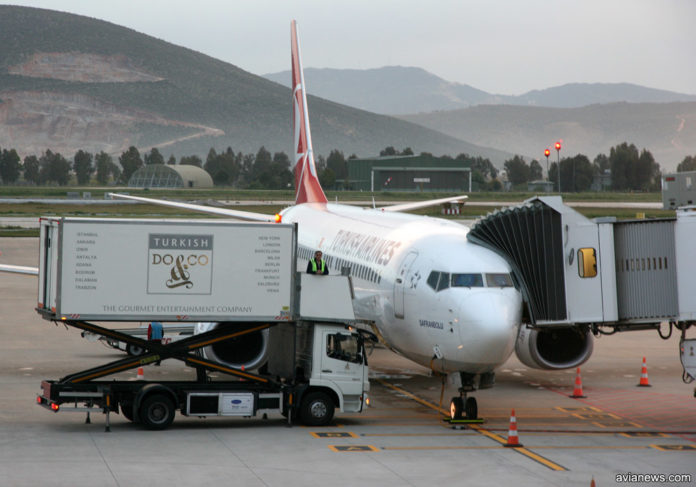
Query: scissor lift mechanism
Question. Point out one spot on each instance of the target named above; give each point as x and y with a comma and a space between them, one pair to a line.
80, 387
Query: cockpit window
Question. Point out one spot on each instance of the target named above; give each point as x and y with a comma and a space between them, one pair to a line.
443, 283
432, 279
498, 280
467, 280
443, 280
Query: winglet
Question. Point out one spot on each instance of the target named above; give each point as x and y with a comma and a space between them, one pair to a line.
307, 187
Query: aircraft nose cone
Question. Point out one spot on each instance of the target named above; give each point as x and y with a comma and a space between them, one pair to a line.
488, 325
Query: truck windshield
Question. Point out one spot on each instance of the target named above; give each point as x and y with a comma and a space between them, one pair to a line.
344, 347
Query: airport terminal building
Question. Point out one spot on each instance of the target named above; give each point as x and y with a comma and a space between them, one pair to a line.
408, 173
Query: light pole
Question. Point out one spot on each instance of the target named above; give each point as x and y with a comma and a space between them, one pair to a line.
547, 153
558, 162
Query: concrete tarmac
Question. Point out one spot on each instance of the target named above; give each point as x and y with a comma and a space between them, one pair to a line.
615, 434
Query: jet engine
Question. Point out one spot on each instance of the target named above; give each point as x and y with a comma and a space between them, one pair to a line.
247, 351
553, 348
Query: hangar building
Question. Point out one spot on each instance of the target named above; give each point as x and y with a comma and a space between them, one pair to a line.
170, 176
408, 173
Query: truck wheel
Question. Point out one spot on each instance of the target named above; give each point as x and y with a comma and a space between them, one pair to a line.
456, 408
317, 409
127, 410
157, 412
134, 350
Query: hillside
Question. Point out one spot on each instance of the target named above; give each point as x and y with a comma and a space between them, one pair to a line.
397, 90
69, 82
668, 130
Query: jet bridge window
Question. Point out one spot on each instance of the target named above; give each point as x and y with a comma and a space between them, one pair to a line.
587, 262
467, 280
344, 347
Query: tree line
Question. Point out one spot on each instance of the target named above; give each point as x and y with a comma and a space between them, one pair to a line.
629, 168
625, 166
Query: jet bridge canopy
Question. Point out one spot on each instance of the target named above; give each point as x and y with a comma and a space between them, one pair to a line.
573, 270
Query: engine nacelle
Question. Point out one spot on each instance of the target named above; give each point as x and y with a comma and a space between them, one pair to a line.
248, 351
553, 348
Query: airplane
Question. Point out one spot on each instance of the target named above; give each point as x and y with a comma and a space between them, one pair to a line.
427, 292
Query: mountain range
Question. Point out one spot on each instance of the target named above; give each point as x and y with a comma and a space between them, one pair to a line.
398, 90
70, 82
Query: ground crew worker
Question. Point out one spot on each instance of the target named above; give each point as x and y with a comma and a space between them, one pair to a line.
155, 334
317, 265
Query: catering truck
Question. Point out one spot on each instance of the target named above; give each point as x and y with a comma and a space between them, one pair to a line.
286, 341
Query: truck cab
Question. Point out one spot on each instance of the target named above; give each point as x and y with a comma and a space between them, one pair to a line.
342, 366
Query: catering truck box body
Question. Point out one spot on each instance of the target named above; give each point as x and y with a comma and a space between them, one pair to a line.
166, 270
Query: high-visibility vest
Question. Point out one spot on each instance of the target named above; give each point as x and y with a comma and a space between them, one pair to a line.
314, 266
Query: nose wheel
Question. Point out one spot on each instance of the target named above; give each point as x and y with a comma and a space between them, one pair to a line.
463, 408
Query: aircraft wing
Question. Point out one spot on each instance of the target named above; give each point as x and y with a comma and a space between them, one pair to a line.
19, 269
242, 215
424, 204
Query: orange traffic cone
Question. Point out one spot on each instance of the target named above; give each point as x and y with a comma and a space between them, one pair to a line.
513, 440
141, 373
644, 376
577, 392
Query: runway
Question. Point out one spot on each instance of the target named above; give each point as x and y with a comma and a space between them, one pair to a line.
617, 434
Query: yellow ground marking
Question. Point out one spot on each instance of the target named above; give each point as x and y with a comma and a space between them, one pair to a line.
595, 416
545, 447
674, 447
643, 434
333, 434
478, 429
626, 424
578, 410
352, 448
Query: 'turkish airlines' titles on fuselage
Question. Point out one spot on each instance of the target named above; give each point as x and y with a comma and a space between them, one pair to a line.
422, 283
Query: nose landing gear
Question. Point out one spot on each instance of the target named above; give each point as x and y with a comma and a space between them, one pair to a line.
466, 408
463, 407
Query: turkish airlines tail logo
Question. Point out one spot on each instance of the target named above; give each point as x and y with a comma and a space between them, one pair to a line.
307, 187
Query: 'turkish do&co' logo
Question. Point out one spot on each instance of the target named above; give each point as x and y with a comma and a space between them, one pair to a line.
180, 264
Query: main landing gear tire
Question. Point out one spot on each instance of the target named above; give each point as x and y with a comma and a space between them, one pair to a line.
317, 409
456, 408
157, 412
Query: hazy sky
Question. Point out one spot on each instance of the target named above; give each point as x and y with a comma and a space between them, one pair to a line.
505, 47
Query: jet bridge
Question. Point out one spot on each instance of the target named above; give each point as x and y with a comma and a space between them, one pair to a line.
572, 270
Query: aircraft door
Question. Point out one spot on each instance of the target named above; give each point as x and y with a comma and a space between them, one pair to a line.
400, 283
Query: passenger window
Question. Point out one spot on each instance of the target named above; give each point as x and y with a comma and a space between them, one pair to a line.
587, 262
467, 280
432, 279
498, 280
343, 347
443, 283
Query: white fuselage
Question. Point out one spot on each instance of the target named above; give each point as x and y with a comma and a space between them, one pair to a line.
394, 259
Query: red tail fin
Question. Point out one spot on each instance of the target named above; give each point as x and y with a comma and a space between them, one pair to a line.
307, 187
